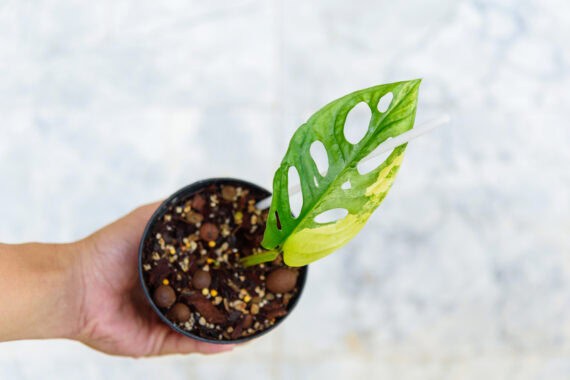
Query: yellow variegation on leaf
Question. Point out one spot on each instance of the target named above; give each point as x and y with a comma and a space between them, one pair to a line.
310, 242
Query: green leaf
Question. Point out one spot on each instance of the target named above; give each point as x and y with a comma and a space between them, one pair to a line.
302, 239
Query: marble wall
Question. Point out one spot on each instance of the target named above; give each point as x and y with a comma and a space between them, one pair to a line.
464, 273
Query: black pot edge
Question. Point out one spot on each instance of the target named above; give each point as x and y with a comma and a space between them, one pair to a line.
189, 189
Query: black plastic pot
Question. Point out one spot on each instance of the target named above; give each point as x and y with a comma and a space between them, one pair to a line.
159, 213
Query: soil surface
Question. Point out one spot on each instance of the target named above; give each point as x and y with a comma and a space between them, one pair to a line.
192, 270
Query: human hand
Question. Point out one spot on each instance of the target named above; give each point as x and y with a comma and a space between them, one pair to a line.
114, 316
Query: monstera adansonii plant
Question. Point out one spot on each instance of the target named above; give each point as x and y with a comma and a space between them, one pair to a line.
301, 238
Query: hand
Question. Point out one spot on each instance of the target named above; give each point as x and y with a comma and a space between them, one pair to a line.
114, 316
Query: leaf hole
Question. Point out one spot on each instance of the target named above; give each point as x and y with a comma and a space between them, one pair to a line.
356, 123
346, 185
316, 181
319, 155
384, 102
331, 215
295, 197
372, 161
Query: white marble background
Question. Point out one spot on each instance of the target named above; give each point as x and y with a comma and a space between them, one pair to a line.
464, 273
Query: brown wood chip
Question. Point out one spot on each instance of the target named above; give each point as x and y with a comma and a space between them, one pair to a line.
206, 308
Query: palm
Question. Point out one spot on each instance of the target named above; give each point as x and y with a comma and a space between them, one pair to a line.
116, 318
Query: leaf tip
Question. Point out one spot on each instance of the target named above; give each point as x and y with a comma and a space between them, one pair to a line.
416, 82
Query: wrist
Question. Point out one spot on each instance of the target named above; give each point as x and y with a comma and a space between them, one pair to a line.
66, 291
41, 294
